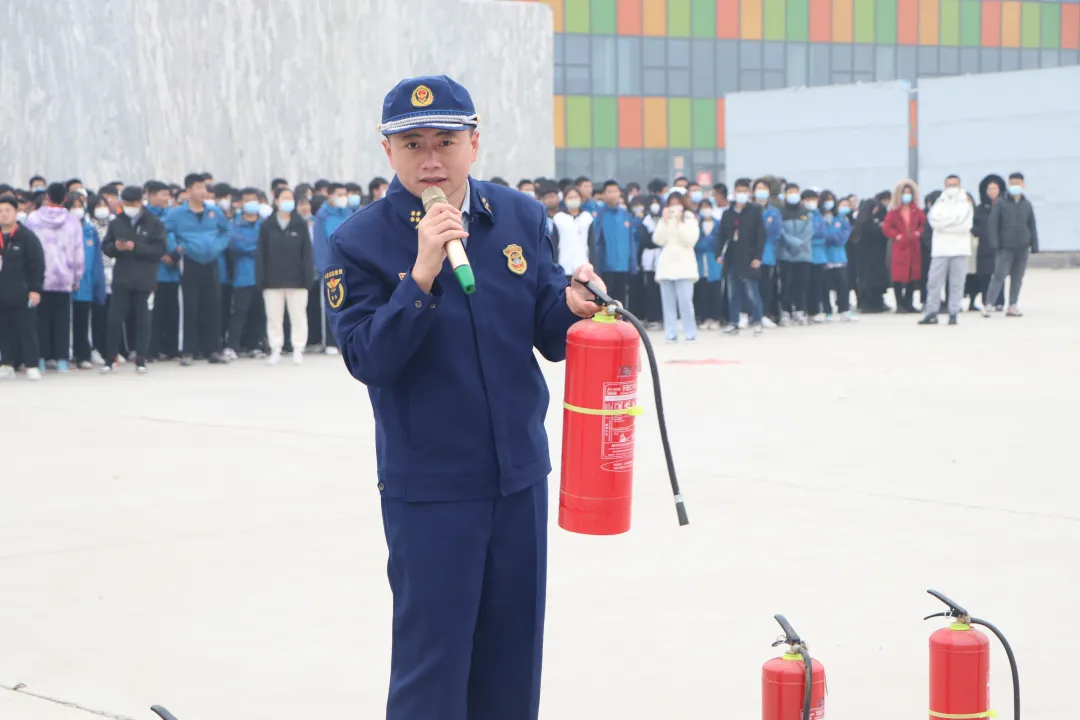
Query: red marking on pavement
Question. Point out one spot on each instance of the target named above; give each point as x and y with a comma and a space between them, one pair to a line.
707, 361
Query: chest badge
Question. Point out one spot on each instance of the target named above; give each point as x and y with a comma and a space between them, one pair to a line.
515, 260
401, 276
334, 280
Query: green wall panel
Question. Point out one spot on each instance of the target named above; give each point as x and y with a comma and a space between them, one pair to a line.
970, 23
703, 18
578, 121
603, 17
576, 16
885, 12
1051, 26
950, 22
864, 21
678, 18
775, 20
1030, 21
605, 122
704, 123
679, 123
798, 20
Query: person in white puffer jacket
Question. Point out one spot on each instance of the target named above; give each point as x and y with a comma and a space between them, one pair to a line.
951, 218
677, 232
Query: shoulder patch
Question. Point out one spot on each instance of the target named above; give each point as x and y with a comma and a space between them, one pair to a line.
334, 282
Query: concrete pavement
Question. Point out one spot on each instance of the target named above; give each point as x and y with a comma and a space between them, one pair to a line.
209, 538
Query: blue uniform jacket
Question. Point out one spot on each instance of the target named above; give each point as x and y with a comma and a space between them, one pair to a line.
836, 236
773, 222
243, 242
796, 237
203, 240
327, 221
817, 255
705, 249
615, 245
457, 392
166, 273
92, 283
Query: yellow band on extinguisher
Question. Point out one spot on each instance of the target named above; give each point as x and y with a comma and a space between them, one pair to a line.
963, 716
635, 410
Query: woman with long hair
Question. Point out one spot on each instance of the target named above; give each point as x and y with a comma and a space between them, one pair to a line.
903, 227
677, 233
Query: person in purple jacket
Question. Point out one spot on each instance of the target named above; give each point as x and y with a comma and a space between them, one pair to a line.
61, 237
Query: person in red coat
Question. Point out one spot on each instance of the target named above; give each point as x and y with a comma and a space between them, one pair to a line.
903, 227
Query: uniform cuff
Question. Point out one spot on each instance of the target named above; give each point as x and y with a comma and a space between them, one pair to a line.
412, 296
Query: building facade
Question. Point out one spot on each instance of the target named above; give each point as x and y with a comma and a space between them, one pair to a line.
640, 84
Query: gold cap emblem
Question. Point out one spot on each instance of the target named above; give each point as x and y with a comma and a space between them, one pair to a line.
422, 97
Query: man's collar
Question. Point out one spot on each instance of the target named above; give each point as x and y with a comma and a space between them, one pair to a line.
410, 209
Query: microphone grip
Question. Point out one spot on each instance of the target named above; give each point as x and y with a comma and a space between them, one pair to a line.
455, 252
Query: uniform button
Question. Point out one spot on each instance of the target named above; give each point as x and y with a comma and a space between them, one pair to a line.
431, 305
381, 487
419, 304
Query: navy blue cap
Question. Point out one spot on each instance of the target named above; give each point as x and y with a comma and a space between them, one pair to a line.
434, 101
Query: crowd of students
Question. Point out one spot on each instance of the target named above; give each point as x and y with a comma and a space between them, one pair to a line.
103, 278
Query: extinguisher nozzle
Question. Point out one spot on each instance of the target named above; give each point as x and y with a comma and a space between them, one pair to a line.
680, 508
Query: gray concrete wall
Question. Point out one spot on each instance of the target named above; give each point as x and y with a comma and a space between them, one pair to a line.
134, 89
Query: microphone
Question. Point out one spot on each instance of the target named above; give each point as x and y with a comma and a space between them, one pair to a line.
455, 251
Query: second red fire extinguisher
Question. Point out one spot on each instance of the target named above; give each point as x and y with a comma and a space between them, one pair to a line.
792, 685
960, 666
600, 409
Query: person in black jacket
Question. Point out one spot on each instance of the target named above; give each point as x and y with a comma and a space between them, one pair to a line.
1013, 235
136, 238
284, 263
22, 273
741, 241
990, 189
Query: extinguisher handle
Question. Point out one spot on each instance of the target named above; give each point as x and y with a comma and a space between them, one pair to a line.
954, 607
162, 713
790, 636
602, 298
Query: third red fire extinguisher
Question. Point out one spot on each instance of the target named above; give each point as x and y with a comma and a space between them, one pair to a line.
792, 685
960, 667
600, 409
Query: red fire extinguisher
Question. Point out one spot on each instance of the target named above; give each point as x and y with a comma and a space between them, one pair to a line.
960, 666
792, 685
600, 407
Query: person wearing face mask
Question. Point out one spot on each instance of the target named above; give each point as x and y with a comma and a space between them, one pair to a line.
243, 245
137, 240
100, 216
90, 297
837, 233
327, 221
1013, 235
741, 241
950, 220
794, 255
696, 195
873, 274
61, 237
573, 228
283, 264
165, 319
903, 227
708, 290
614, 249
528, 187
37, 184
815, 286
22, 274
677, 233
769, 202
991, 188
355, 195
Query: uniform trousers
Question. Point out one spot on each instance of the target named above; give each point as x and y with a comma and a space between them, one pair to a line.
469, 582
18, 336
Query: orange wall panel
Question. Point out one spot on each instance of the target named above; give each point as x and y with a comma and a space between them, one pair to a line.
631, 123
1010, 24
557, 11
750, 19
929, 15
655, 22
843, 21
656, 122
721, 123
630, 17
560, 121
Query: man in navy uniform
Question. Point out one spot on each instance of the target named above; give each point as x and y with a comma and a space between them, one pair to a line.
459, 403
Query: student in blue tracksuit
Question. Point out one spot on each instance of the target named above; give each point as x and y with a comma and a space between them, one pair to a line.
90, 296
615, 250
459, 402
773, 220
794, 254
331, 215
815, 290
202, 234
243, 243
838, 230
165, 320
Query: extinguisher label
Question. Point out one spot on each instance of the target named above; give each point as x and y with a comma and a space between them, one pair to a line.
816, 713
617, 444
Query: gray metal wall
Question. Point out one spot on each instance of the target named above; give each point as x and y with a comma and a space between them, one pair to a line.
134, 89
847, 138
1027, 121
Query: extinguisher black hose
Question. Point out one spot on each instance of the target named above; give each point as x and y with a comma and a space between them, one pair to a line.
1012, 663
162, 713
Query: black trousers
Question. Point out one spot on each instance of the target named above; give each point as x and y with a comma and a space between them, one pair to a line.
770, 306
82, 316
816, 290
19, 336
202, 308
226, 312
837, 278
100, 329
124, 300
710, 295
54, 325
165, 321
794, 278
242, 309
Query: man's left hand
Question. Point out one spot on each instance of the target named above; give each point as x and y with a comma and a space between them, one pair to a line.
578, 297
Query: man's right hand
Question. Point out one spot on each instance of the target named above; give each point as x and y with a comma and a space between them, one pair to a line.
438, 227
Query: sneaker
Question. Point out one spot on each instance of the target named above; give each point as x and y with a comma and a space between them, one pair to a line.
120, 359
256, 354
140, 367
758, 329
744, 321
298, 357
275, 357
7, 372
218, 359
785, 319
849, 316
986, 311
1014, 312
95, 358
62, 366
229, 355
929, 320
186, 360
41, 365
731, 330
33, 373
86, 365
108, 369
819, 318
50, 365
331, 350
953, 320
767, 322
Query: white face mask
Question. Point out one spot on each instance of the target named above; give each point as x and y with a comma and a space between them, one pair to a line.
210, 201
20, 216
340, 202
265, 211
78, 212
654, 208
132, 212
101, 213
573, 204
225, 204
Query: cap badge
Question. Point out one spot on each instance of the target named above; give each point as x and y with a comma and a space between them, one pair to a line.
422, 97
